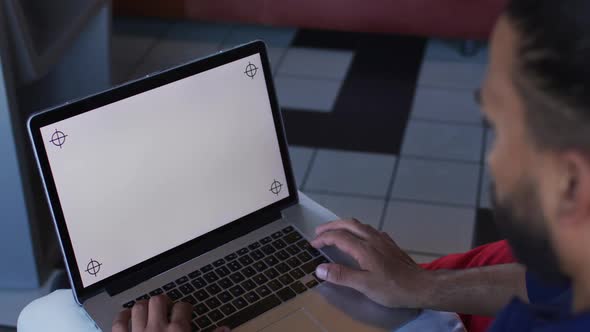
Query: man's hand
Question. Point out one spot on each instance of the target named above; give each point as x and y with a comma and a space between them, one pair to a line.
388, 275
157, 315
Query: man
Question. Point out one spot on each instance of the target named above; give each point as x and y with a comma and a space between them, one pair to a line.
537, 98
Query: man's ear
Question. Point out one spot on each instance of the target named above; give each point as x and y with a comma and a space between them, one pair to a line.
574, 205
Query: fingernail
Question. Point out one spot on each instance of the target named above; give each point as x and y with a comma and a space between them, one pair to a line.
322, 271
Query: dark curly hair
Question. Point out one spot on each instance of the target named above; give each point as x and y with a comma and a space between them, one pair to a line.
552, 71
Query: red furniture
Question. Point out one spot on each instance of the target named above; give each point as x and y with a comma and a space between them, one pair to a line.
466, 19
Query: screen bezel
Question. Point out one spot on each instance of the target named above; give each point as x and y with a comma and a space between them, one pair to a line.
214, 238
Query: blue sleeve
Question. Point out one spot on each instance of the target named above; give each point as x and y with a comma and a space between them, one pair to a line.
540, 292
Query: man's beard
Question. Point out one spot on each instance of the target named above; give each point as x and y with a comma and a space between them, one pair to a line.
520, 220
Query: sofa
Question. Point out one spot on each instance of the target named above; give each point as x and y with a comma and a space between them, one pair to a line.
463, 19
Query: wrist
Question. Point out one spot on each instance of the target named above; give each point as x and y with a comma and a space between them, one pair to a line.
427, 293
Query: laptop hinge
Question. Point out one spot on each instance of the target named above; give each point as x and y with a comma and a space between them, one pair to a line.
188, 252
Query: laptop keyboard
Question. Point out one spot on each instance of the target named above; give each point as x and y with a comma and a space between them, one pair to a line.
245, 284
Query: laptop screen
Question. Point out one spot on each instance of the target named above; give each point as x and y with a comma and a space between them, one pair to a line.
146, 174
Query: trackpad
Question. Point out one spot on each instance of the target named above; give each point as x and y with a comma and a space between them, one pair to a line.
299, 320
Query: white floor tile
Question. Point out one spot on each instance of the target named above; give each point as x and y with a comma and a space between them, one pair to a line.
450, 50
307, 94
316, 63
451, 74
446, 105
490, 139
443, 141
300, 159
366, 210
436, 181
351, 173
429, 228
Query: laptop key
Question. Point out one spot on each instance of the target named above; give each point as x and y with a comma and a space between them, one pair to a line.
169, 286
240, 303
248, 285
277, 235
293, 262
287, 229
198, 283
222, 271
237, 277
201, 295
243, 251
207, 268
237, 290
279, 244
231, 257
263, 291
248, 271
129, 304
252, 297
181, 280
203, 322
271, 273
292, 237
194, 274
225, 297
293, 250
268, 249
213, 289
174, 295
245, 260
286, 294
275, 285
186, 289
297, 273
256, 254
312, 283
286, 279
225, 283
309, 267
215, 315
313, 252
282, 255
260, 279
250, 312
254, 246
189, 299
143, 297
201, 309
304, 256
282, 268
234, 266
298, 287
211, 277
213, 303
260, 266
156, 292
271, 260
266, 240
227, 309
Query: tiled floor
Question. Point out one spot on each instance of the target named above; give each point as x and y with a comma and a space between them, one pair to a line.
382, 128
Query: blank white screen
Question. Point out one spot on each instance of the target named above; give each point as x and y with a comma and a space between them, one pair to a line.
143, 175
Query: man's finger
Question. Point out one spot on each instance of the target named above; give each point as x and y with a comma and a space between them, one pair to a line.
158, 311
352, 225
139, 315
343, 240
344, 276
181, 315
121, 322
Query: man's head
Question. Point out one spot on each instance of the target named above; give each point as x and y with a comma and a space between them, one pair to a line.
537, 98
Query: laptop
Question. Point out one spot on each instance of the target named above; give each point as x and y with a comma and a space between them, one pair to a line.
177, 184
